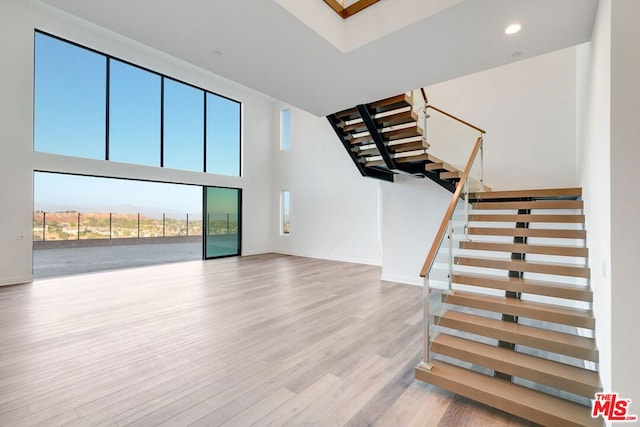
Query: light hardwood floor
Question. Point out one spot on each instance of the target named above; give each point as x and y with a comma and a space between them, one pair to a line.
260, 340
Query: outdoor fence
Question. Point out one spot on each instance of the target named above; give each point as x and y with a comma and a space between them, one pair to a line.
48, 226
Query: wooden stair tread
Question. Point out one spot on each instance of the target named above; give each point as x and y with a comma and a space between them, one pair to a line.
512, 398
559, 269
348, 114
409, 146
391, 103
369, 152
374, 163
361, 139
528, 232
541, 193
456, 174
355, 127
543, 339
525, 248
516, 284
574, 219
577, 317
399, 118
439, 166
569, 378
539, 204
408, 132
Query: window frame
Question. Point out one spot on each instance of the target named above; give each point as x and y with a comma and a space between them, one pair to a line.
108, 59
285, 212
285, 129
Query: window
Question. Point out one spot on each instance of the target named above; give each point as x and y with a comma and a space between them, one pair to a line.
223, 207
183, 126
69, 99
285, 129
88, 223
134, 114
87, 104
223, 135
284, 212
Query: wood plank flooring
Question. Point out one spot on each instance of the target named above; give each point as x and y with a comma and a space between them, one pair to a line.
265, 340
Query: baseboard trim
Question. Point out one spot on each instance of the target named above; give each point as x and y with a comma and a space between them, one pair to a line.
16, 280
407, 280
331, 258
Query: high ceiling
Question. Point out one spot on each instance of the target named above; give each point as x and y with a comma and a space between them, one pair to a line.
267, 48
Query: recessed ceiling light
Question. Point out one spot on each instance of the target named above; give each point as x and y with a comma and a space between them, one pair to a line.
512, 29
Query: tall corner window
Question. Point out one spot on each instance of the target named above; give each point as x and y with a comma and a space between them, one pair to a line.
70, 99
285, 129
284, 212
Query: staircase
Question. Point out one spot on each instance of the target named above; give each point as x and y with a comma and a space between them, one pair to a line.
512, 326
384, 138
514, 330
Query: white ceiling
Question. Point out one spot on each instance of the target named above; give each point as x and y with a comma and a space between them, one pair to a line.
268, 49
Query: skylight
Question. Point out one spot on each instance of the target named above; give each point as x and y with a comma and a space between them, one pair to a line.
347, 8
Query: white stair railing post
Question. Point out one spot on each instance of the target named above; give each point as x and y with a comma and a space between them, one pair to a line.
426, 355
466, 209
424, 136
450, 238
481, 164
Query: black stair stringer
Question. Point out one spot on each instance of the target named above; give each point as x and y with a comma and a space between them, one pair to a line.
435, 177
333, 120
364, 170
377, 138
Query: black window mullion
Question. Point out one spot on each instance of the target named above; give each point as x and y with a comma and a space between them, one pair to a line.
161, 121
240, 139
204, 98
106, 128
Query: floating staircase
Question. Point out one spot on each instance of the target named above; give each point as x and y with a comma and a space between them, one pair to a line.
384, 138
514, 332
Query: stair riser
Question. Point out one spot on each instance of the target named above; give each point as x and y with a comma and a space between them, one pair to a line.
580, 295
516, 338
518, 371
582, 272
522, 311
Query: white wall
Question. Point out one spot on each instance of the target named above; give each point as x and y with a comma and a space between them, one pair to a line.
528, 109
17, 159
412, 212
595, 170
625, 201
334, 210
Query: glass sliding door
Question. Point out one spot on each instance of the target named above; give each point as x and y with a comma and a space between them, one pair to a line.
222, 216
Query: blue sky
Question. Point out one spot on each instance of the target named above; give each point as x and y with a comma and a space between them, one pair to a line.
72, 192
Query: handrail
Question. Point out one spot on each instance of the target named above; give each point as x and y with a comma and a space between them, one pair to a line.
455, 118
424, 96
449, 213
